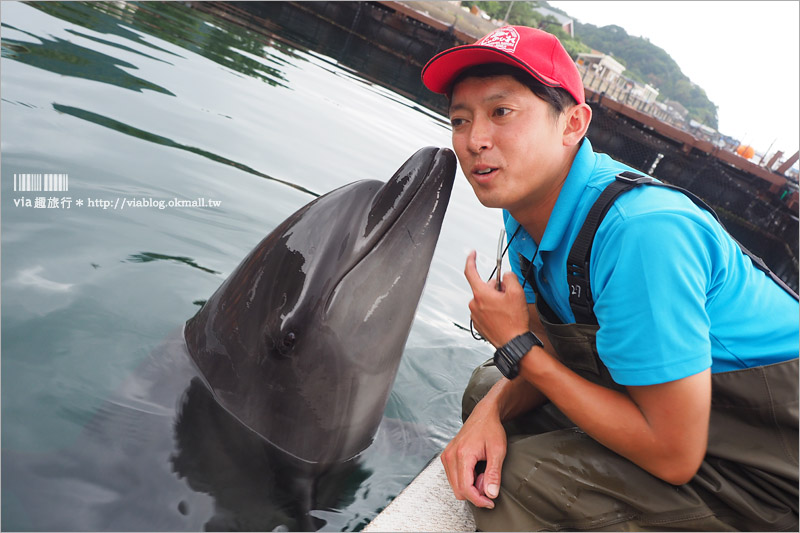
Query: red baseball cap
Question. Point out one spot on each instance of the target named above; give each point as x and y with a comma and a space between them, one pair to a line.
537, 52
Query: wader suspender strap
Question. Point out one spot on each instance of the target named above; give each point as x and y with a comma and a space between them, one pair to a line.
580, 297
541, 304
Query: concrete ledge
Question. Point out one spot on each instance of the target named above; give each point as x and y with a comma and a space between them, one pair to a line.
427, 504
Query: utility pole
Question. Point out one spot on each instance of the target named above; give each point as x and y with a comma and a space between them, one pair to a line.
508, 11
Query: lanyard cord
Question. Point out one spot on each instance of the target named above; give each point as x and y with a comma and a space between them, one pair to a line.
475, 335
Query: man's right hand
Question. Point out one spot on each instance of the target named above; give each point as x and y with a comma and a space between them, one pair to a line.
482, 438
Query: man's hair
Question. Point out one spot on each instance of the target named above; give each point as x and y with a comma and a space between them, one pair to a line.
557, 98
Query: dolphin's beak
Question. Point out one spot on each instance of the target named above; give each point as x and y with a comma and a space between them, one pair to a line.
402, 211
429, 167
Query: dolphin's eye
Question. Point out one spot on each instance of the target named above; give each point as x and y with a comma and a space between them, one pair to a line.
287, 343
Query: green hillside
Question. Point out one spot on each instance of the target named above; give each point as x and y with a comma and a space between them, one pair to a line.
646, 62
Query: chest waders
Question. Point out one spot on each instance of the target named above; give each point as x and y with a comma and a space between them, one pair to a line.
556, 477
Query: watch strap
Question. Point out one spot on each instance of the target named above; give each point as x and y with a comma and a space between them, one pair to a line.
508, 356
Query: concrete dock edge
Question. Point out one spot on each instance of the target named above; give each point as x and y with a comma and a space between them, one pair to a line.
427, 504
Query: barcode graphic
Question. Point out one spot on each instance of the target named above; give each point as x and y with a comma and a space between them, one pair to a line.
41, 182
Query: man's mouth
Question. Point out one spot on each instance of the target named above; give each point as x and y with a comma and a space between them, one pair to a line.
483, 173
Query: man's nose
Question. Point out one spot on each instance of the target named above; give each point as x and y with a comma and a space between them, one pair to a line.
480, 135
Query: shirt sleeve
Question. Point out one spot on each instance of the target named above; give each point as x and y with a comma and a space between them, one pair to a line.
650, 277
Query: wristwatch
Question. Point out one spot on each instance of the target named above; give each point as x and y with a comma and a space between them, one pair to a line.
507, 357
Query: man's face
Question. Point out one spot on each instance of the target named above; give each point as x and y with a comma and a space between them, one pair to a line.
508, 142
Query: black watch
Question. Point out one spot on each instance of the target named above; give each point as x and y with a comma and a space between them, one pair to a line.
507, 357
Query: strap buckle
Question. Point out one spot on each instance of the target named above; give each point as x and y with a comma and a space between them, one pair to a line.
634, 178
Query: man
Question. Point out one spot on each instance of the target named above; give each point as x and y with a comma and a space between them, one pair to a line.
654, 387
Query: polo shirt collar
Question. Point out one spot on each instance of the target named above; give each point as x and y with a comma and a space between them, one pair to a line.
569, 197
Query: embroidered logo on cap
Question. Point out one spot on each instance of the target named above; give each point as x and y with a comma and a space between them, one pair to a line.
505, 39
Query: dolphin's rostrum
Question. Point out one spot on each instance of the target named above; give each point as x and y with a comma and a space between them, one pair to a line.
303, 340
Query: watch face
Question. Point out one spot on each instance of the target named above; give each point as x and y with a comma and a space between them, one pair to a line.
507, 357
506, 363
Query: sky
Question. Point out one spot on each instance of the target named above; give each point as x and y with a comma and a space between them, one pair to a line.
744, 54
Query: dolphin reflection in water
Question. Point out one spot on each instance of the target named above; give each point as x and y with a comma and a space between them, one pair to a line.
289, 367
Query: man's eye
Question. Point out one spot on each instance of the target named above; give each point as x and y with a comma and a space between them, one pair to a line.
502, 111
456, 122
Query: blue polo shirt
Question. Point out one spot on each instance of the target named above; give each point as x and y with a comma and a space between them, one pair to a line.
674, 294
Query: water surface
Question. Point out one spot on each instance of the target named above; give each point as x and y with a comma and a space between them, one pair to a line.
159, 103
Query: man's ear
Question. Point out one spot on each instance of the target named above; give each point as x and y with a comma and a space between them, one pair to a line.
576, 124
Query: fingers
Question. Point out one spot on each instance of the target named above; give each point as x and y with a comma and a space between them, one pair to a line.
477, 284
479, 483
491, 477
478, 499
510, 280
471, 272
461, 476
470, 489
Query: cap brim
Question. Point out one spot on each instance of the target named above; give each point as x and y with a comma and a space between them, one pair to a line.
444, 67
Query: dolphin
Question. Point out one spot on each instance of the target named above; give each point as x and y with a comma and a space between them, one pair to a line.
303, 340
262, 406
